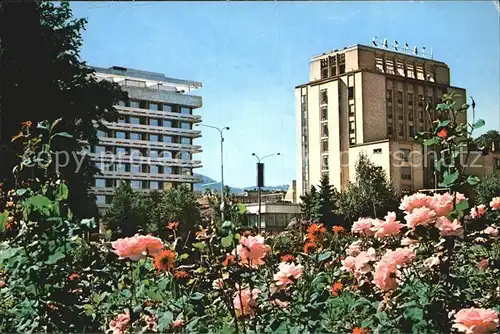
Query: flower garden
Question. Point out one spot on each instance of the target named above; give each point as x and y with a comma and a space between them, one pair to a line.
431, 267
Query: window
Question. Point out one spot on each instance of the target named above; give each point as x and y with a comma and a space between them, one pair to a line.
167, 139
420, 103
411, 130
185, 125
154, 185
410, 115
186, 140
134, 104
135, 184
350, 93
497, 163
153, 138
122, 103
185, 111
324, 145
153, 106
167, 124
166, 154
324, 68
400, 97
389, 66
167, 170
401, 133
410, 72
123, 120
154, 122
101, 134
153, 169
389, 95
377, 151
135, 136
333, 68
324, 113
400, 67
351, 110
186, 156
121, 151
167, 108
400, 113
379, 64
389, 130
101, 183
352, 126
100, 199
186, 171
410, 99
134, 83
324, 96
389, 112
405, 154
406, 173
99, 149
352, 140
324, 162
135, 168
324, 130
420, 71
134, 120
153, 154
341, 63
120, 135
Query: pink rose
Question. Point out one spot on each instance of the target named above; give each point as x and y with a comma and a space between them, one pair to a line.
288, 272
495, 203
483, 264
476, 320
491, 231
363, 226
363, 259
354, 248
420, 216
386, 270
442, 204
137, 247
245, 302
409, 242
459, 197
448, 228
384, 277
478, 211
120, 323
251, 251
386, 228
2, 283
349, 264
177, 323
417, 200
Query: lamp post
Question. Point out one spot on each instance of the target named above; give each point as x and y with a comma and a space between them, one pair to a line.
221, 164
260, 182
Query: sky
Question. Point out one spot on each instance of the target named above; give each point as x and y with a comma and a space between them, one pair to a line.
250, 56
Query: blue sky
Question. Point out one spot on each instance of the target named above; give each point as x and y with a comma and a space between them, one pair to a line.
250, 56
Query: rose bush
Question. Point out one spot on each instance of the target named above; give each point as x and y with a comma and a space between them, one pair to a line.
435, 270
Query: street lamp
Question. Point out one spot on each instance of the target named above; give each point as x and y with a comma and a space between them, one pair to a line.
260, 182
221, 163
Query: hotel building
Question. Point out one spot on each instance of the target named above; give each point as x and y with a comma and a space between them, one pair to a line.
151, 145
368, 99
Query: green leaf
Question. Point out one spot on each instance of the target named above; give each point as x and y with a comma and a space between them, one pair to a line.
227, 241
40, 204
200, 245
164, 321
432, 141
227, 224
473, 180
443, 124
183, 256
3, 220
55, 257
197, 296
449, 179
324, 256
480, 123
414, 314
62, 134
62, 192
462, 205
20, 192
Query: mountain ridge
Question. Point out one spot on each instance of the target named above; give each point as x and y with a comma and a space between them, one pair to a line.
210, 183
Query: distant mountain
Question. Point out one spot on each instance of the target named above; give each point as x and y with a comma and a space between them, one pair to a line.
210, 183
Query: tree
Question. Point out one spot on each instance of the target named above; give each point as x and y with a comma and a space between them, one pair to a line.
43, 77
487, 139
488, 188
372, 194
126, 213
326, 202
308, 203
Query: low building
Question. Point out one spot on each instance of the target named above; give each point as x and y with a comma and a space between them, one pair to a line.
275, 216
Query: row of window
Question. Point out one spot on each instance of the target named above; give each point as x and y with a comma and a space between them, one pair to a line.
144, 136
411, 130
137, 153
112, 183
330, 65
400, 112
155, 122
143, 168
409, 70
154, 185
410, 98
144, 104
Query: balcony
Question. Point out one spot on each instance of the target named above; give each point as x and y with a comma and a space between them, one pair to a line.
160, 114
152, 129
110, 141
150, 177
163, 96
133, 159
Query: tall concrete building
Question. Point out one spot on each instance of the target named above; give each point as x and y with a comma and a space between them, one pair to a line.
152, 143
367, 99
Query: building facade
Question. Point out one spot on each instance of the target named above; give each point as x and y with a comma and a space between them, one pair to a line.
366, 99
152, 144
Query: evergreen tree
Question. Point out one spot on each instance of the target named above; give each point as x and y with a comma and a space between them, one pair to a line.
308, 203
324, 212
